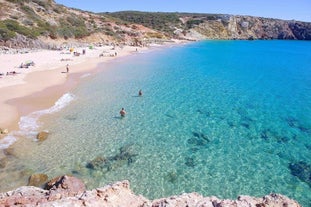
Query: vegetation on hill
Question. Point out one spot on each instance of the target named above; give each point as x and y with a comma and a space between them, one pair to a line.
37, 19
160, 21
44, 18
30, 18
195, 26
164, 21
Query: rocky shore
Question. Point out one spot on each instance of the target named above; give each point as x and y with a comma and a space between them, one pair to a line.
70, 191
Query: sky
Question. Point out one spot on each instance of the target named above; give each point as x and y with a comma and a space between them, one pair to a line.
281, 9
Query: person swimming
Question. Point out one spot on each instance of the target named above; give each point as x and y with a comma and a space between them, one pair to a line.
122, 112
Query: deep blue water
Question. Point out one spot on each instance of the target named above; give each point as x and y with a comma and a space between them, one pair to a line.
222, 118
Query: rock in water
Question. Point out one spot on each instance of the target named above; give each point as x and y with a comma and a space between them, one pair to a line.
65, 185
4, 131
301, 170
42, 136
37, 180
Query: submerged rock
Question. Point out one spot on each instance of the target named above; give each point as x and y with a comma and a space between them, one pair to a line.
37, 180
302, 170
172, 177
294, 123
199, 139
97, 163
207, 113
201, 136
126, 156
189, 161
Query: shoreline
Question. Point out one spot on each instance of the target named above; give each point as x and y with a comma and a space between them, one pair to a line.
40, 86
39, 89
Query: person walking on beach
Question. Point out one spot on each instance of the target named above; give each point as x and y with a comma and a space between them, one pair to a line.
67, 68
122, 112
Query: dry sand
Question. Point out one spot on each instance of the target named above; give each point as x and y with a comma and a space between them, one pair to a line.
39, 86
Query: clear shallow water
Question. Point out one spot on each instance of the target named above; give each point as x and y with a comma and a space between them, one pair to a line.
221, 118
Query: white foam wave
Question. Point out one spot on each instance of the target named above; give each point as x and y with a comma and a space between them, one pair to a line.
28, 125
7, 141
30, 122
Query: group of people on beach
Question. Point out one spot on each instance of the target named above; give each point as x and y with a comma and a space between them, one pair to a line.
22, 65
9, 73
123, 112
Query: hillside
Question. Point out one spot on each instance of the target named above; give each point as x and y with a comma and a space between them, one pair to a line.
45, 24
218, 26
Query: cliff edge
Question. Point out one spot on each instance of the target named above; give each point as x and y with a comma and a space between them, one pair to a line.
70, 191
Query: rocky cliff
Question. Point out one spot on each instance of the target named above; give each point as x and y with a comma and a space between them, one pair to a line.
70, 191
218, 26
247, 27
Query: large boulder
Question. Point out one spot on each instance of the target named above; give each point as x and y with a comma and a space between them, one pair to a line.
37, 180
65, 185
42, 135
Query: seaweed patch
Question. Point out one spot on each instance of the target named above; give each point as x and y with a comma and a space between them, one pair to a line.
301, 170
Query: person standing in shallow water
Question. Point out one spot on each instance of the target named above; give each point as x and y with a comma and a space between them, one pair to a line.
140, 93
122, 112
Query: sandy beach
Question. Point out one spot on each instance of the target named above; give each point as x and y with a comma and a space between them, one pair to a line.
24, 90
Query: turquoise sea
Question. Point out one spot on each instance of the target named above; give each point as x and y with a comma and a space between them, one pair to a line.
223, 118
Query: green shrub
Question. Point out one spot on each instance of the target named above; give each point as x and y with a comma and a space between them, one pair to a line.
72, 27
44, 28
64, 32
193, 22
160, 21
80, 32
30, 12
109, 32
14, 26
59, 10
28, 22
5, 33
76, 21
27, 9
44, 4
14, 17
